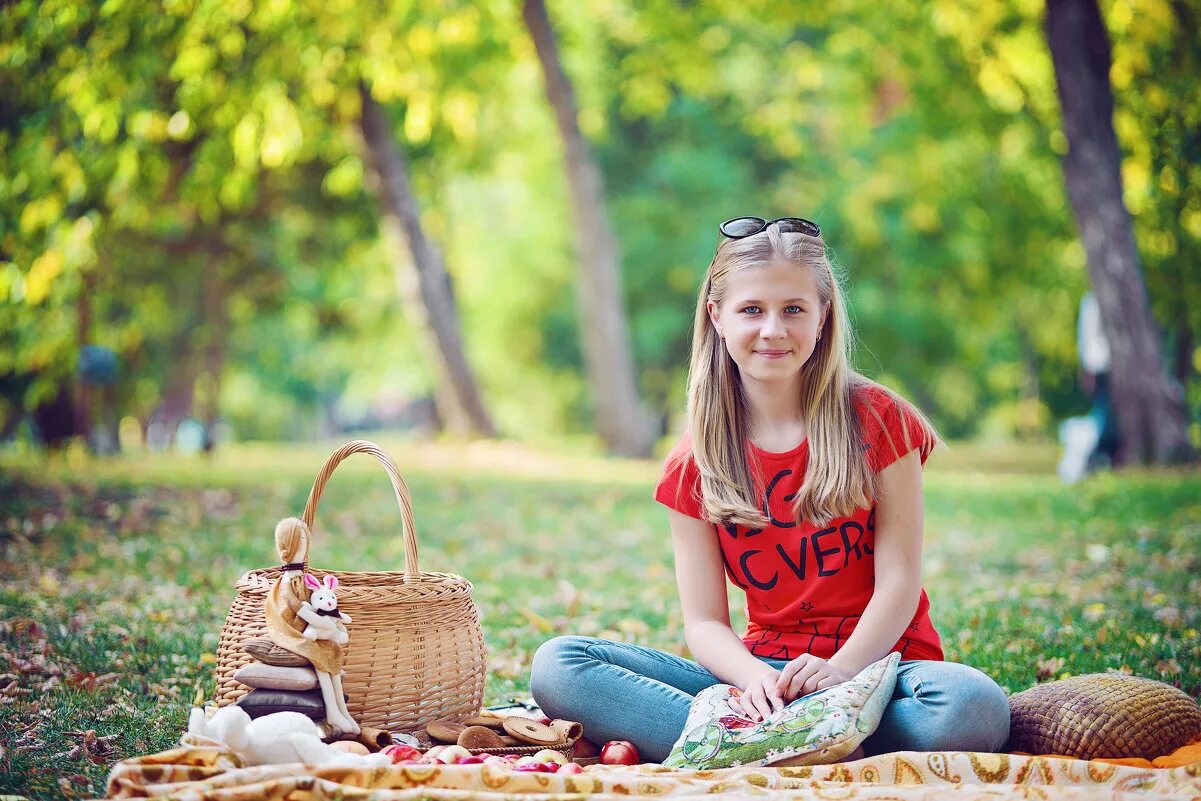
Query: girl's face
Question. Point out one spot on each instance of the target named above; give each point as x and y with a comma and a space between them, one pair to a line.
770, 317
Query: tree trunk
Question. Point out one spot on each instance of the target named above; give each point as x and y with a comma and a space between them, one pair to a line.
1183, 361
423, 281
1029, 389
623, 424
83, 336
216, 325
1149, 405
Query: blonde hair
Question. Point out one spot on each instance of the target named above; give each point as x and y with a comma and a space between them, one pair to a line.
838, 479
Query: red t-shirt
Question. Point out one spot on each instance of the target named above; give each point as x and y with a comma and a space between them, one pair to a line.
807, 586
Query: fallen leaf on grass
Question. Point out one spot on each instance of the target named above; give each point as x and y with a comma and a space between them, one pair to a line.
89, 681
1169, 616
1048, 668
23, 627
539, 622
96, 749
68, 785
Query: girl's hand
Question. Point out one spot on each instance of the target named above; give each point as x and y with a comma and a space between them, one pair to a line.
760, 697
806, 674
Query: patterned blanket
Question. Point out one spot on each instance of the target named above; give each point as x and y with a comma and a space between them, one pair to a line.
202, 770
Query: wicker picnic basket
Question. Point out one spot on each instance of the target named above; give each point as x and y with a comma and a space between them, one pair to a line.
1103, 715
416, 651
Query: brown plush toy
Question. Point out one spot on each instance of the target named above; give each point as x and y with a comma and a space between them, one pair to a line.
284, 604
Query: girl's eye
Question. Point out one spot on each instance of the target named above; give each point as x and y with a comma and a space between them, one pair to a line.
793, 309
751, 310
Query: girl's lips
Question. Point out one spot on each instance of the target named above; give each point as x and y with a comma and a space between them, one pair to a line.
772, 354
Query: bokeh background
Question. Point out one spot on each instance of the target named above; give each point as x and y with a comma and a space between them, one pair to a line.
474, 232
195, 226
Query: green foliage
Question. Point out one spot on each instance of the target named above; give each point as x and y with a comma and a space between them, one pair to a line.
117, 573
191, 181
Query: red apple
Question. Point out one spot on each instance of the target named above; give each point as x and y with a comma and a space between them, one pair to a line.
400, 752
619, 752
585, 748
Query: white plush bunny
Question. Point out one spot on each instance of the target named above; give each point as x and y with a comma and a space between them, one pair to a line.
321, 613
280, 738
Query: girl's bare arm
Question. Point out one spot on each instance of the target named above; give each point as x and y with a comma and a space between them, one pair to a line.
702, 585
898, 558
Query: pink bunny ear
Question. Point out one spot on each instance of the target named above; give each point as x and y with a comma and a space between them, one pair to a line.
311, 582
331, 581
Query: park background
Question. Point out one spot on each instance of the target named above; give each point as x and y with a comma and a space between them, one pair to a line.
475, 230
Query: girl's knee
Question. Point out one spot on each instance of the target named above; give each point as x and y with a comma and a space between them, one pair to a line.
965, 710
985, 714
550, 663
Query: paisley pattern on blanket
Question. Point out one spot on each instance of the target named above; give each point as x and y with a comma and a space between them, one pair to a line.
204, 771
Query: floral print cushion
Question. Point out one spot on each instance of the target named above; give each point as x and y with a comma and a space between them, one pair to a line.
816, 729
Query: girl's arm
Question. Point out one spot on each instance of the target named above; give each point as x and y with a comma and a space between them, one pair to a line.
899, 524
702, 584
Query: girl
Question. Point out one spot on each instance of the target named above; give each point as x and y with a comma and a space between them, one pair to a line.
800, 481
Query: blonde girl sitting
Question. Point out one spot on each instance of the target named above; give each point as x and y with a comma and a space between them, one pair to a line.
800, 481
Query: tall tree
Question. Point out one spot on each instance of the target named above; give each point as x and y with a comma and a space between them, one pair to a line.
423, 278
1148, 402
621, 420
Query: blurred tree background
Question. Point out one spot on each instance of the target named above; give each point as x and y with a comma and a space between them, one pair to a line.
195, 222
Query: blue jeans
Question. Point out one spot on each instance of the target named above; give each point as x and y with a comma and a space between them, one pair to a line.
627, 692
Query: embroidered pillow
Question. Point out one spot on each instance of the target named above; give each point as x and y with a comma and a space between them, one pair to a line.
816, 729
275, 677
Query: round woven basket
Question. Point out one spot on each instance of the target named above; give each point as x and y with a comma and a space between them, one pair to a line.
416, 651
1103, 716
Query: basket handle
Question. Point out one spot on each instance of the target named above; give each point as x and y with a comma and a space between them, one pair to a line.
401, 489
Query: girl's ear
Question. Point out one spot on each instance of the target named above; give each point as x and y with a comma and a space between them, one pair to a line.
311, 582
711, 307
331, 581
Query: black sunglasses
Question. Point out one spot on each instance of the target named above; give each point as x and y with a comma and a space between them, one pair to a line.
742, 227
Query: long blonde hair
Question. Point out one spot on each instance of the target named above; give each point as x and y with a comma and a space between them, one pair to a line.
838, 479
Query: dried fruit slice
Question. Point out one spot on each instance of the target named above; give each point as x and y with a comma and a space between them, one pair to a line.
531, 731
445, 731
479, 737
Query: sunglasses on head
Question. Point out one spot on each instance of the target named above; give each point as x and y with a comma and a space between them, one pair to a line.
742, 227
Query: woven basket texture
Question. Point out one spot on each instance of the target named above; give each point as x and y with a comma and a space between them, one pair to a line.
564, 747
1103, 716
416, 650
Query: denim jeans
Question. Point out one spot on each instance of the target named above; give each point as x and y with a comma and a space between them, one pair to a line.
627, 692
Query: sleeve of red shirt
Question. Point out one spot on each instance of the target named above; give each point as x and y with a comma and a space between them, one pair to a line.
893, 428
679, 483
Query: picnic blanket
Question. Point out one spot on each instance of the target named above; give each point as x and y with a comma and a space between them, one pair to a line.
203, 770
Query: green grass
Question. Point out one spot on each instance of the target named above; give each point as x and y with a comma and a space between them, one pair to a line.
115, 576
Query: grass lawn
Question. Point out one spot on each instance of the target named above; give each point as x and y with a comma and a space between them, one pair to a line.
115, 576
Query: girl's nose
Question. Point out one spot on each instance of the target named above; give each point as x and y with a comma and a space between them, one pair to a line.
772, 327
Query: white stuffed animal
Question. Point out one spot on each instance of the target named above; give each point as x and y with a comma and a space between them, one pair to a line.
320, 611
280, 738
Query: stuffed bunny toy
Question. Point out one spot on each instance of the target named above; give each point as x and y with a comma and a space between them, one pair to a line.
321, 613
280, 738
